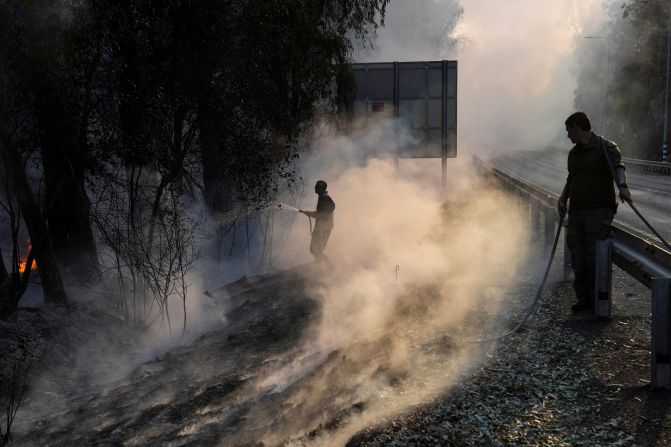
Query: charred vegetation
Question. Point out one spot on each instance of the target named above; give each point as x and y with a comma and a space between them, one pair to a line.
113, 116
122, 127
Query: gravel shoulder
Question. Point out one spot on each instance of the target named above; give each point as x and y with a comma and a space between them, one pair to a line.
565, 380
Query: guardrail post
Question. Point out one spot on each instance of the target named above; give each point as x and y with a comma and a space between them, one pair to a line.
661, 333
568, 266
603, 279
535, 215
510, 188
549, 220
522, 200
504, 184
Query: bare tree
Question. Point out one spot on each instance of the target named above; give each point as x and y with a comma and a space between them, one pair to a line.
13, 283
52, 284
16, 361
140, 215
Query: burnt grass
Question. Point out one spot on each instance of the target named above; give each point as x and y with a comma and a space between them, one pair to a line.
266, 317
212, 392
564, 379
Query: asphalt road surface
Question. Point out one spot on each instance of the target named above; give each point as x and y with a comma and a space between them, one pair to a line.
651, 193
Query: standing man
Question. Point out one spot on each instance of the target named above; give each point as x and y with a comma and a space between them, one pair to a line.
593, 164
323, 221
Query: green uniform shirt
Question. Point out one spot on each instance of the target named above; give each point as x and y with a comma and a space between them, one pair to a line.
589, 178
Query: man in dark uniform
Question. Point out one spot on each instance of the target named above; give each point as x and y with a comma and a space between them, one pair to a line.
589, 187
323, 221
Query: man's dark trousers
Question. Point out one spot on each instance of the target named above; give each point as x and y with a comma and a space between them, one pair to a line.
318, 242
585, 227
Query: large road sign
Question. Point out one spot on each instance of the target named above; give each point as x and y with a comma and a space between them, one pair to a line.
421, 95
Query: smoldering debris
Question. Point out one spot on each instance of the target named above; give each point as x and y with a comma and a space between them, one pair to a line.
307, 361
311, 360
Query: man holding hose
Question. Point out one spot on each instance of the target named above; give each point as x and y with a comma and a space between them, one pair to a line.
593, 164
323, 221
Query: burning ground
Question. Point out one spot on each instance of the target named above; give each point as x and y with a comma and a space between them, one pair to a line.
302, 359
565, 380
279, 370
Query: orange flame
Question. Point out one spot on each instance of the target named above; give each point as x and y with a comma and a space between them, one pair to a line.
24, 259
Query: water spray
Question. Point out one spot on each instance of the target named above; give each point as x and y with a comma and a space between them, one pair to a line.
284, 206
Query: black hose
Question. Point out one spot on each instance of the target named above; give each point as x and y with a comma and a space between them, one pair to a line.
629, 201
552, 254
538, 294
631, 204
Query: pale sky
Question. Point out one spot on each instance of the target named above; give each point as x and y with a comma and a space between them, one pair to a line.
516, 67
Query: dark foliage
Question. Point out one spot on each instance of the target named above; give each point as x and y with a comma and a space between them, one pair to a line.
150, 102
637, 45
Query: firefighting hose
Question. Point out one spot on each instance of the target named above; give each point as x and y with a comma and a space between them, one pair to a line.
538, 294
631, 204
554, 249
321, 245
629, 201
321, 240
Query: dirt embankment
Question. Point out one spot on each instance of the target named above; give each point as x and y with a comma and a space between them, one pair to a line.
566, 380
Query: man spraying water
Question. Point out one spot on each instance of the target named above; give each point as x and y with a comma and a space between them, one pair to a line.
323, 221
593, 164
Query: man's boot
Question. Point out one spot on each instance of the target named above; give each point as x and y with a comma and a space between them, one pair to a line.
581, 305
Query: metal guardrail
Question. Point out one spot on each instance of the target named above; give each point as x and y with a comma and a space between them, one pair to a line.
655, 167
633, 253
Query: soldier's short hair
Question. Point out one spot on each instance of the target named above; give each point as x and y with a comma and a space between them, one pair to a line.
579, 119
321, 185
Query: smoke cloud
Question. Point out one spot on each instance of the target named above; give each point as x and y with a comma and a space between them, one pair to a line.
517, 69
398, 334
417, 271
459, 253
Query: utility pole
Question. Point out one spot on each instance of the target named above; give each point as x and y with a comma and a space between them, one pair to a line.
605, 99
665, 152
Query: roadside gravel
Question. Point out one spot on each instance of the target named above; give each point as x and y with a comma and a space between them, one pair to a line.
566, 380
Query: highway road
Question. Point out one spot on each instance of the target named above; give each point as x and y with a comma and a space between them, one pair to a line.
651, 193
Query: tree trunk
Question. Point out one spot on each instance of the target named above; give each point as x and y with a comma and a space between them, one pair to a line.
13, 286
63, 157
3, 270
67, 210
52, 283
6, 295
218, 191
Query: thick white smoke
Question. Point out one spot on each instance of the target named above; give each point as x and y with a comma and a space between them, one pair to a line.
516, 84
517, 69
448, 255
